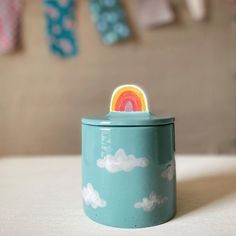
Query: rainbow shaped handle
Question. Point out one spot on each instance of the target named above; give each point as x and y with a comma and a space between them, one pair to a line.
129, 98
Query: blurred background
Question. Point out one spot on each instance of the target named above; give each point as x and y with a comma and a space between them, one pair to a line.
182, 54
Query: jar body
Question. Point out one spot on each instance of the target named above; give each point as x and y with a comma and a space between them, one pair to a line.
129, 174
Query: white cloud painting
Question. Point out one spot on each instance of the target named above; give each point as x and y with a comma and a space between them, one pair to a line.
151, 202
91, 197
169, 172
121, 162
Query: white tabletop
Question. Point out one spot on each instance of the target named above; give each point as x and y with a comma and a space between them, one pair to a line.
41, 196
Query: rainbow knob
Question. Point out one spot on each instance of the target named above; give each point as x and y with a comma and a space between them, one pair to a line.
128, 98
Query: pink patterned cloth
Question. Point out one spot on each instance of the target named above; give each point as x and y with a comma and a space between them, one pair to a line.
10, 11
154, 13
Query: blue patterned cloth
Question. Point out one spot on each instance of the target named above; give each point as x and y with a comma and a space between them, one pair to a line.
60, 27
110, 20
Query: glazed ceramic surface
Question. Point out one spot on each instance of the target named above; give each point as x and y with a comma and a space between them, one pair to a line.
129, 169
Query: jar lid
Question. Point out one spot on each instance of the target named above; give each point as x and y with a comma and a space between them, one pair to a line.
128, 107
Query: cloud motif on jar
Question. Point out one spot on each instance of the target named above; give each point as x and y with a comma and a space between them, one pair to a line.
91, 197
169, 172
151, 202
121, 162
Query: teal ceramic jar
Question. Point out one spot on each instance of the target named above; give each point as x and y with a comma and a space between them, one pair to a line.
128, 164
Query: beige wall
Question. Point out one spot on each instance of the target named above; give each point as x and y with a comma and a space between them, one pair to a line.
187, 69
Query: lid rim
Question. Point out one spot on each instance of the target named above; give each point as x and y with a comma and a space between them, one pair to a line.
130, 122
152, 125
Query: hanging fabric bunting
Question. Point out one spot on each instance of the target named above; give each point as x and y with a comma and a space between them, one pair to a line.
233, 7
10, 14
154, 13
197, 9
59, 17
110, 21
